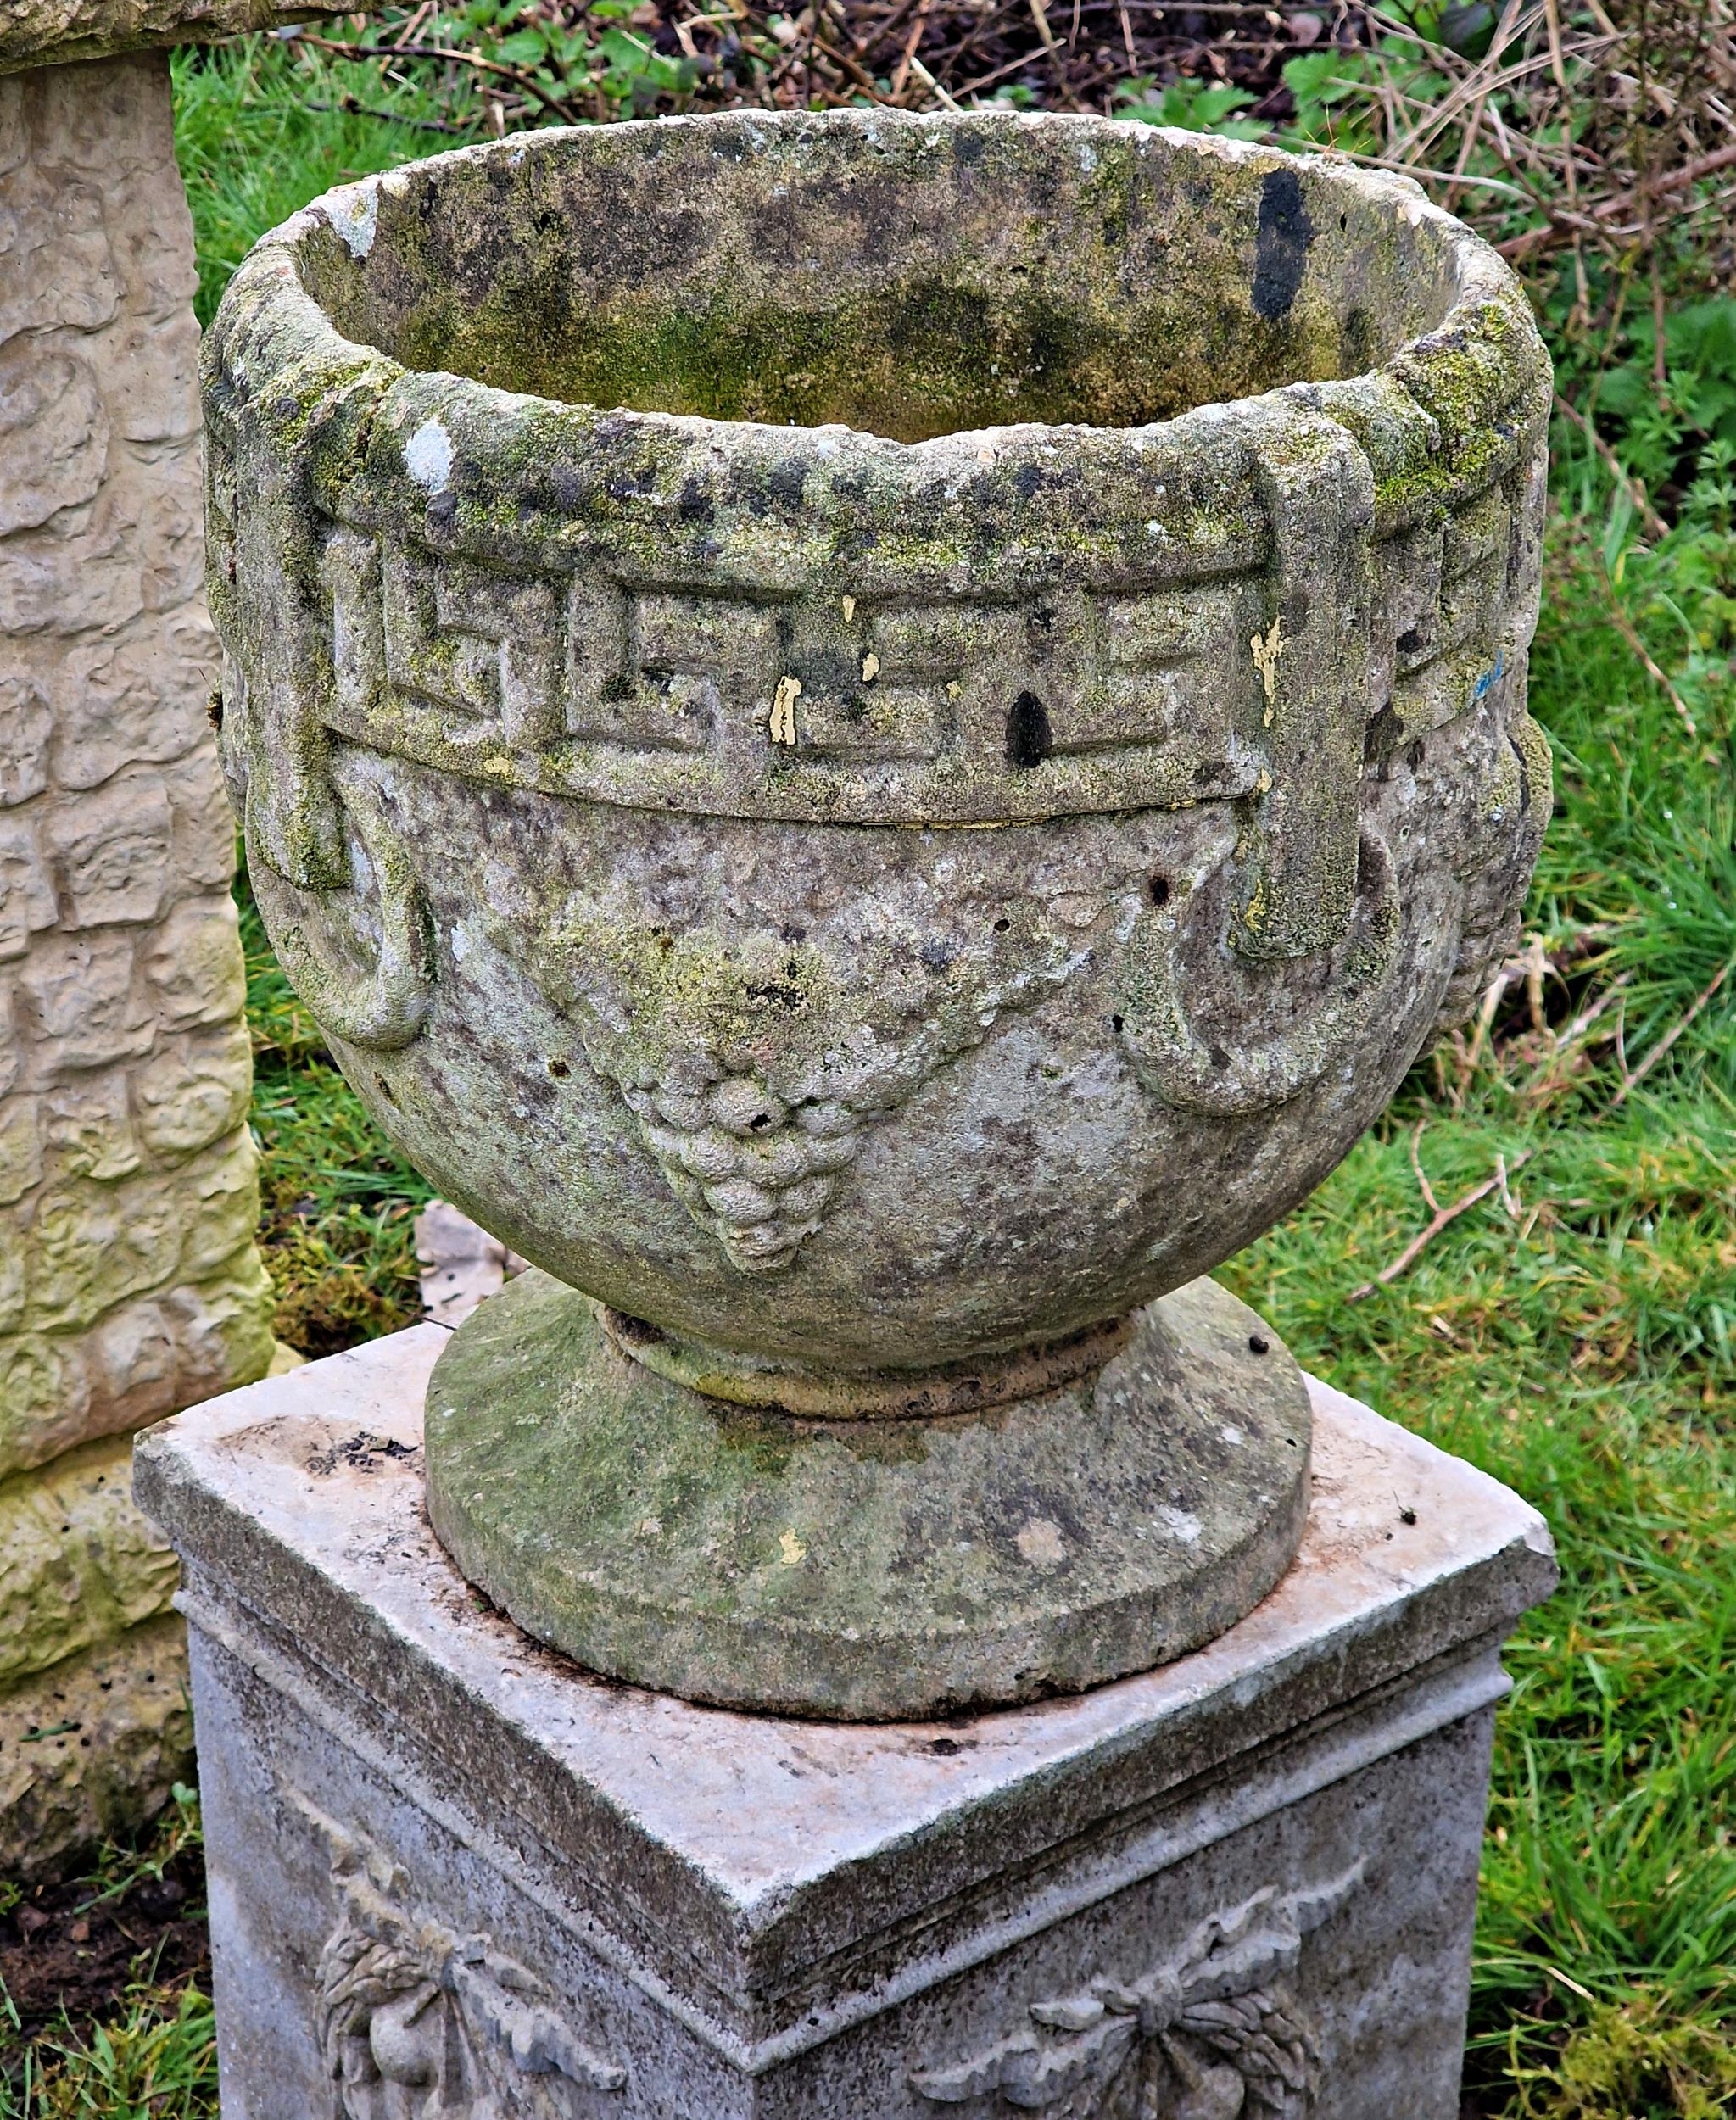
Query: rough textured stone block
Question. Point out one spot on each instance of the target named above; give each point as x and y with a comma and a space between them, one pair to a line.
36, 31
128, 1281
79, 1565
126, 1187
447, 1865
91, 1746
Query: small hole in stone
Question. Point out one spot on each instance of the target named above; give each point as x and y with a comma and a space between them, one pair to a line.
1410, 643
1160, 891
1029, 741
559, 1069
1118, 1022
387, 1089
759, 1122
1002, 926
1259, 1345
947, 1747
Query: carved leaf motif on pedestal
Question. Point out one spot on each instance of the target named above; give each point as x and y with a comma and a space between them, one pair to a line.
418, 2023
1213, 2032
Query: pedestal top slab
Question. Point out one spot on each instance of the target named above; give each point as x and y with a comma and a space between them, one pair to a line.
729, 1854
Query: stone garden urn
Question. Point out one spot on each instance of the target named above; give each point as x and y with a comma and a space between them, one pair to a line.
877, 739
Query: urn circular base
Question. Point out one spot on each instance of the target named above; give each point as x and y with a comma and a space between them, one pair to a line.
872, 1570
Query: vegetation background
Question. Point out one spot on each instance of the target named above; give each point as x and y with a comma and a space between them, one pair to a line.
1569, 1157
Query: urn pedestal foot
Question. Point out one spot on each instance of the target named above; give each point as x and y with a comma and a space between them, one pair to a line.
885, 1566
450, 1872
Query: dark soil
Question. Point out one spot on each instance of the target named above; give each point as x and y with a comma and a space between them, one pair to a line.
68, 1955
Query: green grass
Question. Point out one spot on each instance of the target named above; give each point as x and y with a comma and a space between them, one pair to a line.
156, 2060
1576, 1338
338, 1235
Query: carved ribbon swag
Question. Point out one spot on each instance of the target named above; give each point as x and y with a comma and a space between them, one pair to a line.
1212, 2033
417, 2024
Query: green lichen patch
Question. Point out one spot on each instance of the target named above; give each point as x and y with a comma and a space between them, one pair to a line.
893, 276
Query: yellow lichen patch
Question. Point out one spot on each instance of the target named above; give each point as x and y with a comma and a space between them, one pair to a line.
782, 728
1267, 647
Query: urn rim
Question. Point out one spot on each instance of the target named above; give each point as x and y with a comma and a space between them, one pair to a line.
1482, 359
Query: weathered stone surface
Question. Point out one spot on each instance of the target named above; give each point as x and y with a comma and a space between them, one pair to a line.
127, 1283
460, 1265
93, 1746
36, 33
589, 931
873, 1568
875, 738
1244, 1882
79, 1565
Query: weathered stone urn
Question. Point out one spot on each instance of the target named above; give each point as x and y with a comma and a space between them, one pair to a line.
877, 739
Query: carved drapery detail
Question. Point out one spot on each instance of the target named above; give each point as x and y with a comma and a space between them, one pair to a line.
418, 2023
382, 1003
1278, 1029
1212, 2032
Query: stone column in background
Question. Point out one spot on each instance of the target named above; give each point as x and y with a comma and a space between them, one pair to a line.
129, 1282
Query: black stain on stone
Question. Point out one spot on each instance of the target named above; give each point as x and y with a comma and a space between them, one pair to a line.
786, 482
1028, 740
1280, 250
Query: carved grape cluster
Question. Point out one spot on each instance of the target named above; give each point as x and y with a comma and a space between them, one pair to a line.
747, 1167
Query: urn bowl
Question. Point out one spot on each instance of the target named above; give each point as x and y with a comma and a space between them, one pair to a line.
876, 737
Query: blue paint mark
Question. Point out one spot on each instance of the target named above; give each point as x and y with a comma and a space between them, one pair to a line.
1489, 677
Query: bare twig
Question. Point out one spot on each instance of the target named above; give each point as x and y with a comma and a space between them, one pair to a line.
1423, 1185
903, 73
1655, 527
520, 79
1631, 1079
929, 81
348, 106
1625, 625
1442, 1217
1587, 1016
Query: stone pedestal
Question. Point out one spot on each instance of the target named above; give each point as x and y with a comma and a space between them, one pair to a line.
129, 1282
451, 1873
